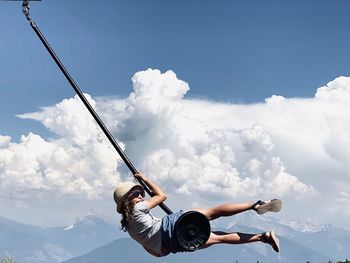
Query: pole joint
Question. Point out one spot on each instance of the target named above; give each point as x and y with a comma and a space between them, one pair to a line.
26, 10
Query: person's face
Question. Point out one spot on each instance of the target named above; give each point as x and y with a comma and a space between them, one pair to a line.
136, 196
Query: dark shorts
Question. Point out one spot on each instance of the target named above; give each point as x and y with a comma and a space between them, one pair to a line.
169, 240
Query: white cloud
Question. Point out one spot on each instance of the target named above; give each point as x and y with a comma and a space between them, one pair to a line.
197, 150
4, 141
79, 162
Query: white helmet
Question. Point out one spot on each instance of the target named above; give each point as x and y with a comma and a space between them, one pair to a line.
121, 192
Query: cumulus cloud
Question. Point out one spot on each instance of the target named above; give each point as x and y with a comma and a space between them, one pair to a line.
177, 149
192, 148
80, 162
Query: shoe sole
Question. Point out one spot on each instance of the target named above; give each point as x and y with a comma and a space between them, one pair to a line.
275, 242
274, 206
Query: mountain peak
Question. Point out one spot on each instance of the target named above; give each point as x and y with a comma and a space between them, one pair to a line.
89, 220
263, 221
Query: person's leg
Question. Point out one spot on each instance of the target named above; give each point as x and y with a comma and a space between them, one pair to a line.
224, 210
219, 237
260, 207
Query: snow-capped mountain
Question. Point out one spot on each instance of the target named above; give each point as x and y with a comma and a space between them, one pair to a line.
91, 239
297, 245
307, 226
325, 239
253, 219
127, 250
34, 244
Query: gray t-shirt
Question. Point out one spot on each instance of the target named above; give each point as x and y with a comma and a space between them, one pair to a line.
145, 228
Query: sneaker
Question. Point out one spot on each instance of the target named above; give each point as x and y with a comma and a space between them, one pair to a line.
262, 207
271, 239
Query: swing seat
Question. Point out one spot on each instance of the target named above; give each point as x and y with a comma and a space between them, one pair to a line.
192, 230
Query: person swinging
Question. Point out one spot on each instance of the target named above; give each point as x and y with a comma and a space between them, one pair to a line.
156, 235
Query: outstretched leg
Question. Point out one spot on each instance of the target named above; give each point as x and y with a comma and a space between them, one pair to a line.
224, 210
260, 207
219, 237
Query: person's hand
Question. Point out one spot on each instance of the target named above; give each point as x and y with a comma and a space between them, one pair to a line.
140, 176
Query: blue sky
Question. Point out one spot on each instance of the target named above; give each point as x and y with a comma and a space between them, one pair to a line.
234, 51
232, 55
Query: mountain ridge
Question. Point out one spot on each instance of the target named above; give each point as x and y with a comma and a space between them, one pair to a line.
91, 239
35, 244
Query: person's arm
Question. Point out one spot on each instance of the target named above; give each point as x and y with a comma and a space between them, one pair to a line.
159, 196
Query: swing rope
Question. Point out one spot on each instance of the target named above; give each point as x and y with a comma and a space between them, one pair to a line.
26, 11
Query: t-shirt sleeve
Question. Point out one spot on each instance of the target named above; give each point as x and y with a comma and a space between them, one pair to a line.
141, 207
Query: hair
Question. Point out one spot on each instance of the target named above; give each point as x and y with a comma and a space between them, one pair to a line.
127, 213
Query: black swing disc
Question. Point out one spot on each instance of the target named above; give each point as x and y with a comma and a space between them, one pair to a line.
192, 230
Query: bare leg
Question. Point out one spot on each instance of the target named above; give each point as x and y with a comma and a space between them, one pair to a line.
219, 237
260, 207
224, 210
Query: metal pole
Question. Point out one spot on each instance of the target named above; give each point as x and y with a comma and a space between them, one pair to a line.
86, 103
